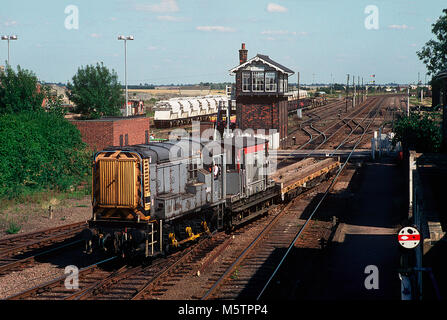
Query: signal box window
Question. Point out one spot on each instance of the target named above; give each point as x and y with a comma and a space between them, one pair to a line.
258, 81
246, 81
270, 81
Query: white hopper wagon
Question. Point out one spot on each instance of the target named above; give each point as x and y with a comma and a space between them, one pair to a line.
181, 111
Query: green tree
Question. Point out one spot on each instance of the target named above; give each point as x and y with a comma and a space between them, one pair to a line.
434, 53
422, 134
19, 91
96, 92
54, 102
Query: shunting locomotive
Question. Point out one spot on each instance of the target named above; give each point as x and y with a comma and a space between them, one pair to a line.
150, 198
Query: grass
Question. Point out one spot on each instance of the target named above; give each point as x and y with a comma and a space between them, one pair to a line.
235, 274
42, 196
415, 101
13, 228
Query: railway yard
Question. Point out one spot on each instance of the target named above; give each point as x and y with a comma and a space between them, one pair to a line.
291, 249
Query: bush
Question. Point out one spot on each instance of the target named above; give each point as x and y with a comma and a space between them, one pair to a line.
422, 134
40, 151
19, 91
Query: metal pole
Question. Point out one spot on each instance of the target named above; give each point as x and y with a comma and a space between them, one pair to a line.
353, 96
347, 92
125, 75
8, 51
363, 91
331, 83
358, 87
408, 101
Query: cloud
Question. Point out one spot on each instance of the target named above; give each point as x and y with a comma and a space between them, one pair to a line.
95, 35
9, 23
163, 6
215, 28
152, 48
113, 18
277, 32
284, 32
273, 7
398, 26
171, 18
413, 45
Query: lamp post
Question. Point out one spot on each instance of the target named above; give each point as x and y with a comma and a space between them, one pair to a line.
13, 37
125, 67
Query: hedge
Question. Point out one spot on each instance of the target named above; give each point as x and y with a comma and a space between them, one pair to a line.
40, 151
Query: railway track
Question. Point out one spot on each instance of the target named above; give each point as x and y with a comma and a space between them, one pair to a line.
57, 288
335, 129
21, 251
30, 241
262, 258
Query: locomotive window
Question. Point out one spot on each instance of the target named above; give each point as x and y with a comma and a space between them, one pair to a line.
246, 81
192, 171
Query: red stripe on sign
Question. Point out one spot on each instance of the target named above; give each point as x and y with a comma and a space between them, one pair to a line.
406, 237
254, 148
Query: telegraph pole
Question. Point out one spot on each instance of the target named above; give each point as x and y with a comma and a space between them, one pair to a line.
353, 97
408, 101
363, 91
358, 86
347, 92
331, 83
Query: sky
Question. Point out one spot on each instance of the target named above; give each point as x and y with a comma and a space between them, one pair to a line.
192, 41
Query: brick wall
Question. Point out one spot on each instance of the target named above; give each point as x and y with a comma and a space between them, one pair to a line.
262, 113
99, 134
134, 128
96, 134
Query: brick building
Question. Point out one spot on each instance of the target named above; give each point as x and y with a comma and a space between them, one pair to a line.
261, 93
104, 132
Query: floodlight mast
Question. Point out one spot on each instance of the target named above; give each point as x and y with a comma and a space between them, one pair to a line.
9, 38
125, 68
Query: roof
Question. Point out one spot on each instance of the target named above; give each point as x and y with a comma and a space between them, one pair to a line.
184, 147
112, 119
266, 60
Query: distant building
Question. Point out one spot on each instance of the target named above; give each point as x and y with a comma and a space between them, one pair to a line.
120, 131
2, 68
135, 107
261, 94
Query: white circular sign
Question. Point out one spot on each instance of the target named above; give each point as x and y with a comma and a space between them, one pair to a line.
409, 237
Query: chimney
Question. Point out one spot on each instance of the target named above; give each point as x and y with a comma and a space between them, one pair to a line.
243, 54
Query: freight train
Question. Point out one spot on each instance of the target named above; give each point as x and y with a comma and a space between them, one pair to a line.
151, 198
181, 111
